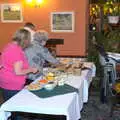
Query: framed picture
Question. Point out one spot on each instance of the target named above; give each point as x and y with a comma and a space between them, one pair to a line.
62, 22
11, 13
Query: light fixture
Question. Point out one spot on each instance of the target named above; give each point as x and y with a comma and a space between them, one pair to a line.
35, 3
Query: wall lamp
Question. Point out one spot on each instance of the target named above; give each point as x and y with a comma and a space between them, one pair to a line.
35, 3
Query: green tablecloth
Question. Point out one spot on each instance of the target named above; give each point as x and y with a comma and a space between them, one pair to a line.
58, 90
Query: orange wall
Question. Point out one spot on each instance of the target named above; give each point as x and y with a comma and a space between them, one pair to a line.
74, 43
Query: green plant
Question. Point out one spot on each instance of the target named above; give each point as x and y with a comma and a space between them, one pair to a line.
111, 9
108, 35
112, 41
92, 52
109, 39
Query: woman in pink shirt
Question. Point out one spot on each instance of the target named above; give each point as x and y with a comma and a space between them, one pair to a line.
14, 64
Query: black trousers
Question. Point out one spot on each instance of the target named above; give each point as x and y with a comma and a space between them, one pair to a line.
28, 81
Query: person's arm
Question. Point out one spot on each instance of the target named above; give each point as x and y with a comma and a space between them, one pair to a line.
48, 56
18, 68
33, 59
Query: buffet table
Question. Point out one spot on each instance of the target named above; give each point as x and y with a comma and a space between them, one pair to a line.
69, 104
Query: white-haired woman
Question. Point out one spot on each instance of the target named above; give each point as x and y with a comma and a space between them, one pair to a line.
37, 54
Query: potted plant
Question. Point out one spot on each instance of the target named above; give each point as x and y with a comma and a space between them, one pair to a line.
112, 11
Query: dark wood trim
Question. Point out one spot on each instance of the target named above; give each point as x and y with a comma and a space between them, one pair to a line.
71, 56
55, 41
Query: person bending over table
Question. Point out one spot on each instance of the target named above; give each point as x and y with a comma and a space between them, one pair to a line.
15, 66
37, 54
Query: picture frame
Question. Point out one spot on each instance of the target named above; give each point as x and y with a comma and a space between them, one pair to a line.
62, 21
11, 12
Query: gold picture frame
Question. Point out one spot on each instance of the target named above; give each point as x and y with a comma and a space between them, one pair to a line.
11, 12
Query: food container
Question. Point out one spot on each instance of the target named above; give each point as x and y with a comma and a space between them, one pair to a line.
61, 82
77, 72
50, 76
42, 81
50, 86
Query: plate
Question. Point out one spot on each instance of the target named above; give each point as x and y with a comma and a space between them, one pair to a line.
50, 86
33, 87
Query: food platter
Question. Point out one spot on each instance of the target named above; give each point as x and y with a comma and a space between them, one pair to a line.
34, 87
42, 81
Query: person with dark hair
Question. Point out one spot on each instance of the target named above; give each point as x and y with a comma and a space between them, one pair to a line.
31, 28
101, 49
29, 25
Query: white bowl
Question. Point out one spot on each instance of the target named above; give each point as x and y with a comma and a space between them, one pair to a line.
50, 86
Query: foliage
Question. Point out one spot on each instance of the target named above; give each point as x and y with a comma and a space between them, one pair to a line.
98, 1
109, 36
112, 41
111, 9
92, 52
109, 39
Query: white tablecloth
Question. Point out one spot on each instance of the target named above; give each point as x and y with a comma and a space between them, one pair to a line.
25, 101
67, 104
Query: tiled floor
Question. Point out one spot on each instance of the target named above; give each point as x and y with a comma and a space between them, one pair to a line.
95, 110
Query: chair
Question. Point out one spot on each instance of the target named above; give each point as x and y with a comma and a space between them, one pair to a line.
107, 82
111, 78
105, 59
108, 65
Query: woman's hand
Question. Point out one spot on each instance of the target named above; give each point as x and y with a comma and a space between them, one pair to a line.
18, 68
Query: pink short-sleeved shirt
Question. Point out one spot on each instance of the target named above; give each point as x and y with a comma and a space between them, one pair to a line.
8, 79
